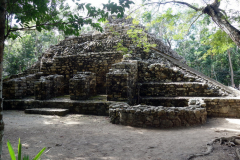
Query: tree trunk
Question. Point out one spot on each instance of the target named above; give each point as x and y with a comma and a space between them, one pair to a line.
217, 16
231, 69
2, 29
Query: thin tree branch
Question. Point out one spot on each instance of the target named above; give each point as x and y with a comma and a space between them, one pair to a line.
44, 24
157, 9
193, 22
159, 3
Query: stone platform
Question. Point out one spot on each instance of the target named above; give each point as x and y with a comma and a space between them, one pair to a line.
215, 106
193, 112
97, 105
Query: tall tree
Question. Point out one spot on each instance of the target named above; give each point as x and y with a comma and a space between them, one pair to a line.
46, 14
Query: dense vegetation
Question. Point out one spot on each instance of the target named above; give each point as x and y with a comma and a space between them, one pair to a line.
205, 46
197, 35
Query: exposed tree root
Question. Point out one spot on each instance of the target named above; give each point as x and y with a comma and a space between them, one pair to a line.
229, 141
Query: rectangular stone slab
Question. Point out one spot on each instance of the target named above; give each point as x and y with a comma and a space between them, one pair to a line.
48, 111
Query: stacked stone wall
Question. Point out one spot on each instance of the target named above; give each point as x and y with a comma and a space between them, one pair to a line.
157, 72
122, 80
118, 86
76, 107
162, 78
156, 116
98, 63
20, 87
15, 88
223, 107
48, 87
82, 86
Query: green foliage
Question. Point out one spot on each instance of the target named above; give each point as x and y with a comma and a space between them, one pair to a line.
138, 37
43, 16
26, 157
25, 51
200, 56
194, 36
39, 15
11, 151
121, 48
219, 42
169, 25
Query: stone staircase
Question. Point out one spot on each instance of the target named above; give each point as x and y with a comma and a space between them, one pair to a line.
161, 80
162, 92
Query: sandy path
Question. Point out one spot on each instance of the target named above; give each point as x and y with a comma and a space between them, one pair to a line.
76, 137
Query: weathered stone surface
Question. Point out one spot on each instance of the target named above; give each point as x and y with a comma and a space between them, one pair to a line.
174, 89
223, 107
156, 116
75, 107
91, 64
82, 86
48, 87
122, 80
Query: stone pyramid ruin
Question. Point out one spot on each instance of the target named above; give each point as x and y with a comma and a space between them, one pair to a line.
144, 89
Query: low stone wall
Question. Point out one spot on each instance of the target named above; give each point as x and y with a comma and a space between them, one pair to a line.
20, 87
223, 107
228, 107
82, 86
156, 116
48, 87
76, 107
15, 88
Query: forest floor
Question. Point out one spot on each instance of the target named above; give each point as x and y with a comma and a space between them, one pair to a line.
77, 137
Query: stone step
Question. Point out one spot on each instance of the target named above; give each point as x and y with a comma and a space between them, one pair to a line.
172, 89
165, 101
48, 111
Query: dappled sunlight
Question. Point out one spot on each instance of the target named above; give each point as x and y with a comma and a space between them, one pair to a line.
130, 127
65, 120
219, 129
73, 122
231, 125
232, 120
100, 158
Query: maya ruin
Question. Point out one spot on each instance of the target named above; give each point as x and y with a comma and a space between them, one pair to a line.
87, 75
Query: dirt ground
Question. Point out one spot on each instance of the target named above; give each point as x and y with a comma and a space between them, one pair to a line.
77, 137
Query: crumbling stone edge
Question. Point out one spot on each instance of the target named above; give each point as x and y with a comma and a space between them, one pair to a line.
158, 116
